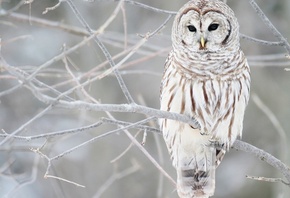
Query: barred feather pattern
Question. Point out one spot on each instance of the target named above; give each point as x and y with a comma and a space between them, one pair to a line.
215, 92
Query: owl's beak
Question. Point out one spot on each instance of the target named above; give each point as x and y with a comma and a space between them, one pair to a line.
202, 42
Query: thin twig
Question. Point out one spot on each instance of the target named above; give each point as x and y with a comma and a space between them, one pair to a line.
64, 180
276, 124
22, 127
161, 26
144, 138
268, 57
59, 57
128, 108
125, 151
270, 64
104, 50
266, 179
117, 176
156, 164
122, 123
268, 23
125, 26
263, 42
135, 3
99, 137
52, 7
156, 137
48, 23
264, 156
53, 134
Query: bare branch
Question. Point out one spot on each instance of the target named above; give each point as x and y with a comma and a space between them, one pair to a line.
53, 134
121, 123
135, 3
60, 88
47, 23
264, 156
133, 108
263, 42
276, 124
268, 179
104, 50
125, 151
156, 164
100, 136
53, 7
64, 180
40, 114
117, 176
268, 23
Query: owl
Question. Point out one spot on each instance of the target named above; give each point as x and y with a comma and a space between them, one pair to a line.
206, 77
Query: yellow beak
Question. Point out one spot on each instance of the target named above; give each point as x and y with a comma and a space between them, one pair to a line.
202, 42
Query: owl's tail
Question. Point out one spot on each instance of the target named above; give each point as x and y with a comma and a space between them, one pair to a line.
196, 174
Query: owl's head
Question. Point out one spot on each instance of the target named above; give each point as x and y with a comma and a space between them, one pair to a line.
205, 26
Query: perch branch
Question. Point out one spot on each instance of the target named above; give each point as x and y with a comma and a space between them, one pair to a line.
130, 108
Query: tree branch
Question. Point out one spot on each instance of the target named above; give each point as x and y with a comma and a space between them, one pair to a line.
264, 156
104, 50
268, 23
130, 108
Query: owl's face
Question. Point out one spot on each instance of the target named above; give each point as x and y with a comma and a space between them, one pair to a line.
205, 26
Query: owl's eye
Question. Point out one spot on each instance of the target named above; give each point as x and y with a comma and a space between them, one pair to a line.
191, 28
213, 27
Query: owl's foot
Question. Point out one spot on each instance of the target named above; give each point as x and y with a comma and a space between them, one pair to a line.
216, 144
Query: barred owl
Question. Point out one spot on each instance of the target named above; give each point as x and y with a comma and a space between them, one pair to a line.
206, 77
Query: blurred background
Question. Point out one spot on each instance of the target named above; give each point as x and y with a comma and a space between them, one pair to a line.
31, 40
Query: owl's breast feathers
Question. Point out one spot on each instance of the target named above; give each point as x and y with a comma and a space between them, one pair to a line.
214, 92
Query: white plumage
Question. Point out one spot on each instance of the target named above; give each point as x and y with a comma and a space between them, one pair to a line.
206, 77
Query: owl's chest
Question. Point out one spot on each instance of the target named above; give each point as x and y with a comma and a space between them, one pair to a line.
210, 98
193, 96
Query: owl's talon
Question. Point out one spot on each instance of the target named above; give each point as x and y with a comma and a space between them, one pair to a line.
216, 143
